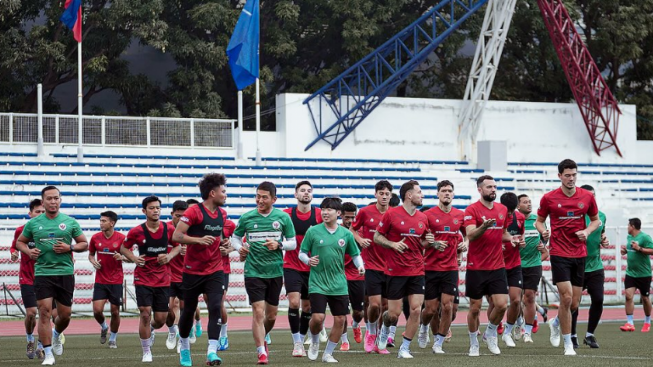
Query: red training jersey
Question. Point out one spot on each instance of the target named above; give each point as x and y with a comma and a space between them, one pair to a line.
291, 258
229, 228
445, 227
515, 227
26, 272
396, 225
351, 272
176, 265
366, 223
201, 259
485, 252
111, 270
151, 274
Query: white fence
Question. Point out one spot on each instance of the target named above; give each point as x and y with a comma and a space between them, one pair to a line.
16, 128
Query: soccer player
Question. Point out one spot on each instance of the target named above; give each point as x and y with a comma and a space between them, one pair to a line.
176, 267
404, 230
26, 280
201, 229
355, 284
269, 231
374, 257
151, 276
198, 319
531, 262
108, 275
567, 207
441, 267
327, 245
225, 250
639, 248
485, 223
52, 233
295, 273
593, 280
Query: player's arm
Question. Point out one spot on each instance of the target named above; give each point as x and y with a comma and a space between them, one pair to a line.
13, 250
645, 248
595, 222
362, 242
180, 236
166, 258
474, 232
540, 225
91, 255
306, 249
21, 245
288, 244
81, 244
383, 241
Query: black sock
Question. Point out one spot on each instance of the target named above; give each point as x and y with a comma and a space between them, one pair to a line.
293, 320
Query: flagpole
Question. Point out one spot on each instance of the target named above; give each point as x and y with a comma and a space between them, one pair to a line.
239, 146
258, 123
80, 152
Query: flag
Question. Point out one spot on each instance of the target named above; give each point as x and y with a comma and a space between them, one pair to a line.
243, 46
72, 17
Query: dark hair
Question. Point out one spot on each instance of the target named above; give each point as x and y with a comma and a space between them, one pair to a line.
179, 205
34, 203
509, 199
302, 183
349, 207
331, 203
407, 186
394, 201
636, 223
521, 196
480, 180
111, 215
209, 182
383, 184
191, 202
444, 183
150, 199
587, 187
567, 164
269, 187
47, 188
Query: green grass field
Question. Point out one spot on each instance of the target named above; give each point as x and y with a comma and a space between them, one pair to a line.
617, 348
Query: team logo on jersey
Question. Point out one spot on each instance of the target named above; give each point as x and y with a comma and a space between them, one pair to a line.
455, 221
255, 226
581, 205
411, 230
380, 224
276, 225
420, 225
62, 226
500, 216
341, 242
115, 245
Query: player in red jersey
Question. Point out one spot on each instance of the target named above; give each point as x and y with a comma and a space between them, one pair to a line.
26, 281
485, 224
108, 274
355, 284
404, 230
229, 228
567, 206
366, 222
295, 272
198, 320
201, 228
441, 266
176, 267
151, 276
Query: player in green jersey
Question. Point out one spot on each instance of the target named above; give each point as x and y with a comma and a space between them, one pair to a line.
639, 248
268, 232
53, 234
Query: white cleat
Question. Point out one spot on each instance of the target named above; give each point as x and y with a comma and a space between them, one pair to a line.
57, 347
474, 350
528, 338
178, 345
555, 333
307, 340
507, 338
323, 335
404, 353
147, 357
517, 332
492, 344
382, 340
48, 361
171, 341
423, 339
328, 358
192, 337
298, 350
313, 351
437, 349
569, 350
152, 337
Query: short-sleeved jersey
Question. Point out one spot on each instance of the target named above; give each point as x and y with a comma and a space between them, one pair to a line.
291, 258
26, 272
515, 227
593, 260
151, 274
328, 277
445, 227
485, 252
567, 217
366, 221
530, 255
639, 264
257, 228
201, 259
110, 271
176, 265
45, 233
229, 227
397, 225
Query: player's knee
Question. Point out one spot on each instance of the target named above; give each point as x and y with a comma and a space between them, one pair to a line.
317, 318
339, 320
447, 307
115, 313
566, 299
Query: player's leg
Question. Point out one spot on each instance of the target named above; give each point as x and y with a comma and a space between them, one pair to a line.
431, 306
115, 325
644, 285
595, 288
29, 301
273, 290
529, 314
198, 323
629, 306
64, 287
212, 287
396, 291
256, 290
98, 314
186, 327
356, 298
144, 326
446, 318
374, 284
293, 284
473, 323
339, 306
171, 319
514, 309
224, 338
318, 307
415, 301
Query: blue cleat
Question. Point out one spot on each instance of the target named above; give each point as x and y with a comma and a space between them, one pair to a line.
223, 343
267, 339
212, 359
198, 329
184, 358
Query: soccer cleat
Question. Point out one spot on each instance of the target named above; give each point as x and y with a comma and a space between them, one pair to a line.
40, 353
627, 327
391, 342
152, 336
544, 314
30, 350
404, 353
437, 349
323, 335
380, 351
574, 342
185, 358
267, 351
223, 343
554, 338
48, 361
298, 350
507, 338
493, 344
569, 350
62, 338
517, 332
357, 334
262, 358
527, 338
212, 359
147, 357
178, 345
103, 336
500, 328
646, 327
112, 344
192, 338
591, 341
268, 340
447, 338
423, 338
370, 341
328, 358
307, 339
536, 326
171, 341
344, 347
474, 350
57, 347
382, 340
198, 329
313, 351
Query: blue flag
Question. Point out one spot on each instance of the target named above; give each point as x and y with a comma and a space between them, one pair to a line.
243, 46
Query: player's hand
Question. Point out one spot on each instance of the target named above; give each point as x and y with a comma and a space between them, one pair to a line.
545, 236
400, 246
605, 242
271, 244
117, 256
14, 256
62, 247
463, 246
206, 240
430, 238
635, 245
140, 261
225, 242
361, 270
440, 245
623, 250
96, 263
224, 251
545, 255
243, 253
541, 248
488, 223
314, 260
163, 259
518, 241
582, 235
364, 243
34, 253
183, 250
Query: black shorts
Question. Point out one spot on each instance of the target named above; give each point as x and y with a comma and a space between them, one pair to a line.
225, 282
568, 269
112, 292
438, 282
296, 281
58, 287
176, 290
196, 285
514, 277
28, 295
643, 284
339, 305
356, 294
532, 277
375, 283
479, 283
400, 287
264, 289
155, 297
594, 282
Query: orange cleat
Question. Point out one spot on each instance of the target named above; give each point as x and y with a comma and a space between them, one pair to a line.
262, 358
500, 328
357, 334
344, 347
646, 327
627, 327
536, 326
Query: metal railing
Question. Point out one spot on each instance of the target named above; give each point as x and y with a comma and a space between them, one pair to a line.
19, 128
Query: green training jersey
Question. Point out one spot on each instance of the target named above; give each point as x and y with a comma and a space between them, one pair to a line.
328, 277
530, 255
639, 264
45, 233
593, 260
261, 262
